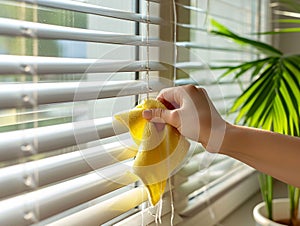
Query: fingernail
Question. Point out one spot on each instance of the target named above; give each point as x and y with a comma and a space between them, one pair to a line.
159, 126
147, 114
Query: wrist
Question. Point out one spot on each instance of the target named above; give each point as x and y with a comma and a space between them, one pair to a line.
216, 139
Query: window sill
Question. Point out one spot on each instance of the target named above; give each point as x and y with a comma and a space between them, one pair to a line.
235, 195
243, 214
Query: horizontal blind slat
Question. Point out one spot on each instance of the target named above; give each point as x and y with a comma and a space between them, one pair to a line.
156, 1
12, 64
192, 27
194, 165
105, 211
58, 168
146, 215
191, 65
28, 142
211, 13
200, 46
212, 173
23, 95
232, 179
13, 27
94, 9
55, 199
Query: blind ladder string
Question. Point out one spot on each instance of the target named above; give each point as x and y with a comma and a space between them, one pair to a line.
174, 39
148, 48
174, 79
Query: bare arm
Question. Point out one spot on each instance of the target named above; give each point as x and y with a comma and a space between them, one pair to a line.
272, 153
194, 115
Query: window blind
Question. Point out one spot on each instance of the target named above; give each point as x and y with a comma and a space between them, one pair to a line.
60, 60
65, 68
207, 176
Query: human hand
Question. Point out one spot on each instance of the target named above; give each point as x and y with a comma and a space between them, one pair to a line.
191, 111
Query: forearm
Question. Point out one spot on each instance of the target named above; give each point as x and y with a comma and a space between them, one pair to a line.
274, 154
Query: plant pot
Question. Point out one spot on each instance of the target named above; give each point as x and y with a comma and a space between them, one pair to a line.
281, 210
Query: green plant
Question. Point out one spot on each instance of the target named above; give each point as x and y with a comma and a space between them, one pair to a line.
270, 102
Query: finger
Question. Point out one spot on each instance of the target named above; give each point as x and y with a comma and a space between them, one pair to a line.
168, 105
157, 113
168, 116
158, 122
153, 113
170, 97
147, 114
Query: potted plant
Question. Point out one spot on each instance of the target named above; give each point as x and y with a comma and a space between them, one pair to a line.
270, 102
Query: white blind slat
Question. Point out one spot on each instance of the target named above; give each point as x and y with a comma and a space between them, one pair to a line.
13, 27
94, 9
232, 179
22, 143
194, 165
212, 12
16, 179
195, 45
22, 95
48, 201
10, 64
192, 27
214, 172
146, 215
106, 210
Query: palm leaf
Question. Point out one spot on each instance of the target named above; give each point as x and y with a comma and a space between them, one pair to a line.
271, 101
290, 21
251, 91
282, 30
263, 100
265, 121
266, 184
260, 46
290, 105
290, 76
246, 101
256, 65
293, 63
274, 93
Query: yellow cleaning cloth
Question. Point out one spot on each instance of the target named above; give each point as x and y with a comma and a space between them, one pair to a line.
160, 152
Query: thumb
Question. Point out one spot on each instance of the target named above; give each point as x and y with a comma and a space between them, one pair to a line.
167, 116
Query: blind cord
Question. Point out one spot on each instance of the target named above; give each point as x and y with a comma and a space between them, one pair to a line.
148, 48
174, 39
174, 79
